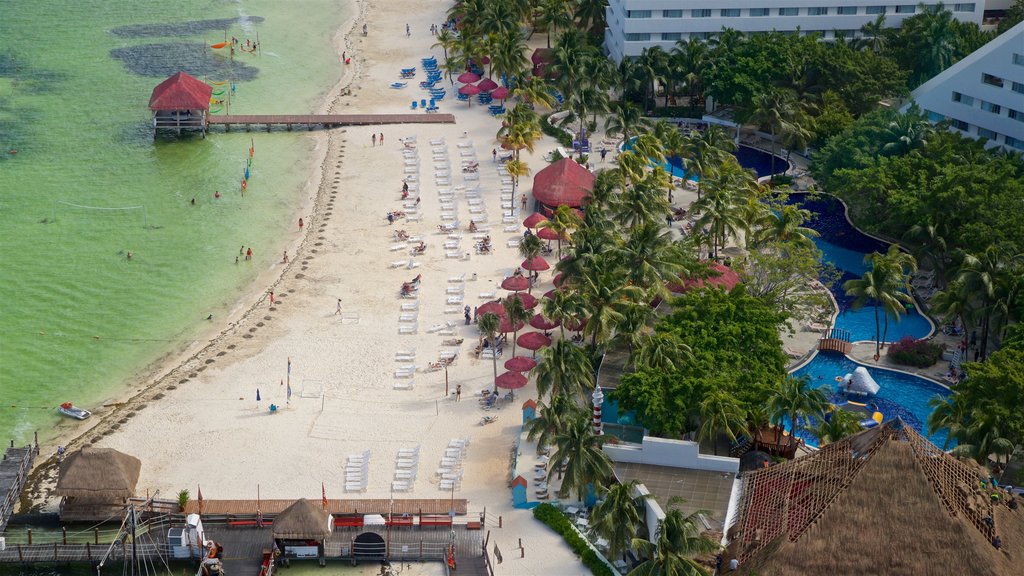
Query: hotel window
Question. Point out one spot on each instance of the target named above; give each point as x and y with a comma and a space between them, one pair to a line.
875, 10
1011, 141
965, 100
1017, 87
1015, 114
963, 7
1018, 59
847, 10
638, 13
990, 107
986, 133
702, 13
671, 13
789, 11
730, 12
905, 9
934, 116
758, 11
958, 124
817, 11
700, 35
638, 37
671, 36
992, 80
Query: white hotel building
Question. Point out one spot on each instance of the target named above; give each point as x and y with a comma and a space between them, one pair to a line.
982, 95
637, 24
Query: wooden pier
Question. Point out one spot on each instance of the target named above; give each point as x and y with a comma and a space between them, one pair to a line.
14, 470
311, 121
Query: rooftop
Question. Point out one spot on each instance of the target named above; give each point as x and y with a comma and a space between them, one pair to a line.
700, 489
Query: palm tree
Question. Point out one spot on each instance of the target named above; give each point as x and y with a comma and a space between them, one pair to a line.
551, 418
649, 69
564, 306
775, 110
642, 205
535, 91
563, 221
606, 296
446, 40
929, 242
704, 151
692, 58
723, 207
721, 412
626, 119
653, 258
554, 15
953, 304
983, 436
895, 268
906, 132
985, 276
868, 288
585, 462
500, 17
873, 34
785, 224
516, 169
508, 57
672, 549
565, 369
661, 352
617, 515
949, 414
489, 324
935, 33
837, 425
529, 248
517, 314
795, 400
591, 14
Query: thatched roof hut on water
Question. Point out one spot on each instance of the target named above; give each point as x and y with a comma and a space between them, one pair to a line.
95, 480
884, 501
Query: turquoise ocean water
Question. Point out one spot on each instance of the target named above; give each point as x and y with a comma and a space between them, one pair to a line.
77, 318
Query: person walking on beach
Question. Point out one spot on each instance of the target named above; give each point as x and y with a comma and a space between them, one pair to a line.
248, 254
337, 309
494, 155
458, 392
300, 223
523, 202
271, 297
407, 31
604, 152
373, 139
381, 138
284, 258
364, 30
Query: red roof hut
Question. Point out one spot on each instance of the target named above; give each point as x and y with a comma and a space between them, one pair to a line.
541, 59
564, 182
180, 102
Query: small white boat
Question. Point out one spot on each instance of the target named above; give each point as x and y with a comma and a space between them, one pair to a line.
69, 409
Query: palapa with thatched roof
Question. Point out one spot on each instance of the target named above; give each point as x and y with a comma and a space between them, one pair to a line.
884, 501
98, 475
303, 520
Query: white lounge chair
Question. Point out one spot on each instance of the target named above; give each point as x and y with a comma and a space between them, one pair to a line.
454, 300
398, 263
403, 385
397, 247
466, 144
455, 290
407, 317
487, 295
410, 306
408, 328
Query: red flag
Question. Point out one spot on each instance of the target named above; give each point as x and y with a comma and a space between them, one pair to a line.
323, 492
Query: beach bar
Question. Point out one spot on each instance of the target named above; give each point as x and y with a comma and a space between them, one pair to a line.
301, 530
180, 103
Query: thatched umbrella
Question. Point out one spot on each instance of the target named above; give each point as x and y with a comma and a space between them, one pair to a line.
303, 520
98, 475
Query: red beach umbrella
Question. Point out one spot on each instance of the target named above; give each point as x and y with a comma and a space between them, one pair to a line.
533, 341
577, 325
510, 381
550, 294
520, 364
529, 301
721, 276
500, 93
534, 219
535, 264
547, 234
505, 326
541, 323
467, 78
515, 283
469, 89
558, 279
487, 85
492, 307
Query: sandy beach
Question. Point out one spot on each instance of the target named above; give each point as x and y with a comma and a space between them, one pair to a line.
199, 424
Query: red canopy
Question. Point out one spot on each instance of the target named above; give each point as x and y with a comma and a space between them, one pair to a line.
550, 294
487, 85
529, 302
505, 327
533, 341
515, 283
558, 279
469, 90
467, 77
721, 276
535, 264
564, 182
546, 233
541, 323
520, 364
493, 307
534, 219
181, 92
576, 325
510, 381
500, 93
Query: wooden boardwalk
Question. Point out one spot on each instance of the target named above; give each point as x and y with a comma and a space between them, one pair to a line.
14, 469
310, 121
336, 507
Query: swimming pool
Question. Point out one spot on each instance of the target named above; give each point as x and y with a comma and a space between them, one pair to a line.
845, 246
757, 160
900, 395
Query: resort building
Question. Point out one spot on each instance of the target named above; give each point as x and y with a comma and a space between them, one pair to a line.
982, 96
637, 24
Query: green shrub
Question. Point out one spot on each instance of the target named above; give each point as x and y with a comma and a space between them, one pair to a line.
555, 132
917, 353
553, 517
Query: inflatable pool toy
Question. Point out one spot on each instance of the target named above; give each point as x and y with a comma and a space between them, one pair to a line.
218, 45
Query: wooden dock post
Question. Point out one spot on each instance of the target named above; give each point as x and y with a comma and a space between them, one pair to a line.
64, 534
96, 535
29, 536
88, 551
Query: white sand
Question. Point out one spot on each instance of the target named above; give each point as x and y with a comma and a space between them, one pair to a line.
210, 432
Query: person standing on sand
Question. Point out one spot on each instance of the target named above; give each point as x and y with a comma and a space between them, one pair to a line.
284, 259
248, 254
300, 223
373, 139
523, 202
271, 297
337, 310
407, 31
381, 138
458, 392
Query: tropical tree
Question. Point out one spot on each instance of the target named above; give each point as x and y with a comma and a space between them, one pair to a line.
982, 437
785, 224
562, 222
446, 40
721, 412
884, 285
661, 351
949, 413
653, 259
626, 119
489, 325
563, 306
836, 425
671, 551
774, 109
649, 69
516, 169
906, 132
986, 276
796, 401
722, 209
642, 205
535, 91
565, 369
508, 55
529, 248
552, 417
606, 296
517, 314
617, 515
691, 57
585, 463
704, 152
873, 34
590, 14
554, 15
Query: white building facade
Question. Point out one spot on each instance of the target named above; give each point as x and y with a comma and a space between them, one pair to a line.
982, 96
637, 24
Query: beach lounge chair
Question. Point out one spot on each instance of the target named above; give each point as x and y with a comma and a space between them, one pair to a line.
397, 247
407, 317
398, 85
414, 104
408, 451
513, 243
403, 385
454, 290
466, 144
401, 486
407, 329
454, 300
398, 263
437, 141
410, 306
414, 217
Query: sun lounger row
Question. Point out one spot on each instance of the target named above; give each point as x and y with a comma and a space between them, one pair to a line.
357, 470
406, 465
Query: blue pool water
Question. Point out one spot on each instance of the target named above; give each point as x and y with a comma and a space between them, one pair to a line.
902, 395
757, 160
845, 246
